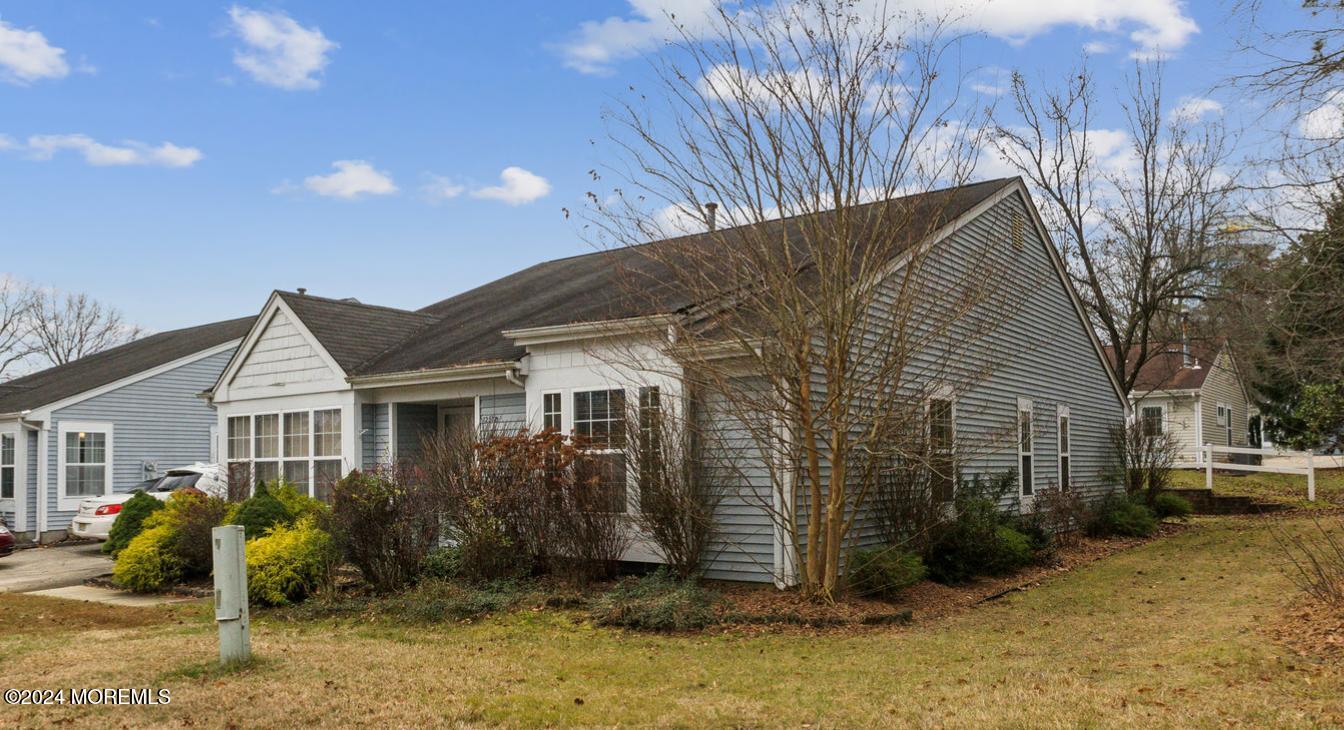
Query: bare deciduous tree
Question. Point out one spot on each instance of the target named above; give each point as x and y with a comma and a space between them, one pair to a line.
66, 327
1141, 220
813, 322
16, 307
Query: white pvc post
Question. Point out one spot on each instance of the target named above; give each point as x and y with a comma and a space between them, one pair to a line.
1208, 467
1311, 477
230, 559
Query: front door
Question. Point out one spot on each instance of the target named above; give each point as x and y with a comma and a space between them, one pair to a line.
457, 419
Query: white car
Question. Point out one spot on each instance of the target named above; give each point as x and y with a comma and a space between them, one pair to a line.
96, 514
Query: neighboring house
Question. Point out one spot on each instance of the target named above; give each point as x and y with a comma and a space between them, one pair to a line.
106, 422
1194, 392
321, 386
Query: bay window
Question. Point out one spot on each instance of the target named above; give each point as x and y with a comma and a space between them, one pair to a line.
302, 447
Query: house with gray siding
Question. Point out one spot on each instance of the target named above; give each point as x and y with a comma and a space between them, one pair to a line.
107, 422
322, 385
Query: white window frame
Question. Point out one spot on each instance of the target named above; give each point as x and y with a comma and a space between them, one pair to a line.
1064, 446
1023, 480
560, 414
10, 504
1223, 415
573, 425
281, 459
66, 503
944, 394
1166, 427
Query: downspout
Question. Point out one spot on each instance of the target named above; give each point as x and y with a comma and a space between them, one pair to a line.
511, 375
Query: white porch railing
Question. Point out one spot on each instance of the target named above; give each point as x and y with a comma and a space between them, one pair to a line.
1204, 460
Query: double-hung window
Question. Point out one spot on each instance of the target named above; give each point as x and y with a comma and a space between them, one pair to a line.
85, 461
599, 421
1065, 449
1153, 419
1225, 420
942, 433
301, 447
551, 411
8, 465
1025, 446
650, 451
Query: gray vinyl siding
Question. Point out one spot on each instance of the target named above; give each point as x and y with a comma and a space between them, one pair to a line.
1037, 348
158, 421
414, 422
504, 413
743, 544
376, 442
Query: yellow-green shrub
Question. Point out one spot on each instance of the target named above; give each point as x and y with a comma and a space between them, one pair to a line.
149, 563
288, 563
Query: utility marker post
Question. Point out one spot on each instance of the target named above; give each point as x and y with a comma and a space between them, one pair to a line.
235, 638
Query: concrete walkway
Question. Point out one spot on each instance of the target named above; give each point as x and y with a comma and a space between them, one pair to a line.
42, 568
111, 596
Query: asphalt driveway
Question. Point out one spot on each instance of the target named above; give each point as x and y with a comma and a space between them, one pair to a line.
42, 568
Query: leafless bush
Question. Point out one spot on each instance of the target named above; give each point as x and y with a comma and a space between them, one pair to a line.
388, 521
239, 482
1062, 512
907, 506
1141, 460
1315, 562
677, 503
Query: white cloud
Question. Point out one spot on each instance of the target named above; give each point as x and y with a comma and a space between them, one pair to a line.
1097, 47
280, 52
26, 56
167, 154
1325, 121
1194, 108
438, 188
517, 186
352, 179
1155, 27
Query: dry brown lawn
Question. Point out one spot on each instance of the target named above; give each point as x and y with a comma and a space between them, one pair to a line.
1171, 633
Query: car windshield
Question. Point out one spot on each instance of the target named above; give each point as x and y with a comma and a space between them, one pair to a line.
177, 481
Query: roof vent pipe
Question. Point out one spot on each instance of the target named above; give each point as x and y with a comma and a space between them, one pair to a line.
711, 210
302, 291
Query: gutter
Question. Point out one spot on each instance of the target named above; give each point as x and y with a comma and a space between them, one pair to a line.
583, 330
481, 371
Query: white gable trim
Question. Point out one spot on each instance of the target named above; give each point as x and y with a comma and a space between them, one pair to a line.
44, 413
273, 305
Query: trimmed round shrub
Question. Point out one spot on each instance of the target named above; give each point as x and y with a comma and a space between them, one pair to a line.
884, 571
656, 602
130, 521
1012, 551
190, 515
1120, 516
444, 563
298, 504
1172, 505
289, 563
259, 513
148, 564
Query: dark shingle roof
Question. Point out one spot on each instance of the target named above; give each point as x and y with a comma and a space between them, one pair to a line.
352, 332
1165, 368
63, 381
589, 288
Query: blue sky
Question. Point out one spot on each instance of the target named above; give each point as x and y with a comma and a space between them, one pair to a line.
180, 160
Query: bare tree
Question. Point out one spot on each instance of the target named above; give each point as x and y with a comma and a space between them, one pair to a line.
811, 323
1141, 223
66, 327
16, 307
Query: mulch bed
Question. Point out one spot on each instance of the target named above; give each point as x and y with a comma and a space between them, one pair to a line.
755, 607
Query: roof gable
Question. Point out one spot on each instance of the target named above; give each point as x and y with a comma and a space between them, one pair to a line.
63, 382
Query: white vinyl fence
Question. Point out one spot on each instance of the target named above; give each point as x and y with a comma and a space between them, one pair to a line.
1204, 459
